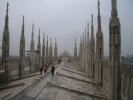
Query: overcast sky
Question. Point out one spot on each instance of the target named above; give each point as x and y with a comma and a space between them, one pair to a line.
65, 20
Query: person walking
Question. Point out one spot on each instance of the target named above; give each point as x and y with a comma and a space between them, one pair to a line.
41, 70
52, 70
45, 68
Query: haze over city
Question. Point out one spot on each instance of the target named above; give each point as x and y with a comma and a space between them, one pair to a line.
65, 20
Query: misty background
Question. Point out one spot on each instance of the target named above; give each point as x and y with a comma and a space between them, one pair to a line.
64, 20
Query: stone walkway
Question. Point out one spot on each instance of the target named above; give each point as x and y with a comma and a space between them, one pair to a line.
69, 83
37, 89
17, 88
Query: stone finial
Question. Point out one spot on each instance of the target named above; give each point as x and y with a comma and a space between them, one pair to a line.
39, 31
85, 35
44, 34
7, 7
88, 31
99, 17
23, 19
75, 41
92, 19
32, 35
92, 33
55, 40
51, 41
98, 6
88, 26
44, 38
23, 26
32, 27
114, 8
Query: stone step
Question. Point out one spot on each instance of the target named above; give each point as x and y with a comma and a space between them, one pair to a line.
79, 79
11, 86
99, 97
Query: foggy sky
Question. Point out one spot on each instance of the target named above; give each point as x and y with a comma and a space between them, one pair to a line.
65, 20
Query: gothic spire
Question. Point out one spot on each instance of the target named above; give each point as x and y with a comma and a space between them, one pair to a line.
99, 16
92, 28
50, 52
47, 40
6, 19
39, 48
88, 32
114, 54
7, 6
32, 50
32, 31
43, 50
51, 42
75, 42
55, 50
55, 42
32, 40
39, 44
43, 38
47, 51
85, 35
92, 50
39, 36
22, 52
114, 8
43, 47
75, 51
5, 47
22, 35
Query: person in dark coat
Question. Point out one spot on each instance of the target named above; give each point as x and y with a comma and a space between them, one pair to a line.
41, 70
52, 70
45, 69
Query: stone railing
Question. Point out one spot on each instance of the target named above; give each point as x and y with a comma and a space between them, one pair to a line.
2, 71
106, 74
127, 81
13, 69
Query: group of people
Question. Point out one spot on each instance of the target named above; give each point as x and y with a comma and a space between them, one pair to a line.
46, 68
